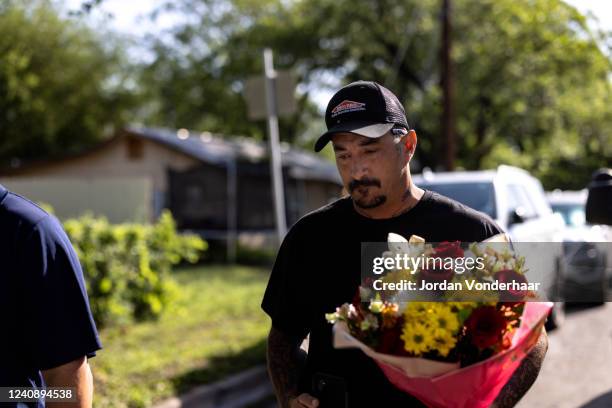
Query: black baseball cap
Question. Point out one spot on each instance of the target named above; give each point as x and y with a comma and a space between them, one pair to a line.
365, 108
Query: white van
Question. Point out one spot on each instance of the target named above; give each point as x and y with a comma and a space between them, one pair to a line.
517, 202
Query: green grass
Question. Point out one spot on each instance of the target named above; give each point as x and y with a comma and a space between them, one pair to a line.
215, 328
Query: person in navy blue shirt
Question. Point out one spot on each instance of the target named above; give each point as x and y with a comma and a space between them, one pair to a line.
47, 331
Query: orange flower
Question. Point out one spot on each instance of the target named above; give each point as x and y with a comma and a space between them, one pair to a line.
390, 314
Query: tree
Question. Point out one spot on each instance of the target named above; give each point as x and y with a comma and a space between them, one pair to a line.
62, 87
197, 78
533, 88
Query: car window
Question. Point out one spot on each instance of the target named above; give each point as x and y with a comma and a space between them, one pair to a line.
477, 195
573, 214
518, 197
537, 197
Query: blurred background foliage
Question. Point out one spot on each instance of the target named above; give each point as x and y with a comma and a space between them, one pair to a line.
532, 79
63, 86
128, 267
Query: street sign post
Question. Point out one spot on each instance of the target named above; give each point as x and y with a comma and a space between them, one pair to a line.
278, 87
275, 154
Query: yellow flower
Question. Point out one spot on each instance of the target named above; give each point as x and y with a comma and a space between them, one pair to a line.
462, 305
415, 313
417, 338
416, 309
444, 344
442, 318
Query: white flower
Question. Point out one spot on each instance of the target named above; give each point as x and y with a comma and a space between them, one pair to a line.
346, 311
415, 239
397, 244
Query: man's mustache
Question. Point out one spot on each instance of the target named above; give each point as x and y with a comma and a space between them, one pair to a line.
364, 182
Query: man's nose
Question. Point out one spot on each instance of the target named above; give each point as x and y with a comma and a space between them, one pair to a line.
358, 169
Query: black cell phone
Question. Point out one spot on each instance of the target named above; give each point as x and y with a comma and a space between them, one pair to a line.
330, 391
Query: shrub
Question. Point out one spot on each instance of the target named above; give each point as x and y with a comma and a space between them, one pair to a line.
127, 266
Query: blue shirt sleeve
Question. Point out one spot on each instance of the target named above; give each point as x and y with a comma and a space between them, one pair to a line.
61, 324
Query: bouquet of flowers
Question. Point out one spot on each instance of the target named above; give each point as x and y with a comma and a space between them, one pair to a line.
452, 349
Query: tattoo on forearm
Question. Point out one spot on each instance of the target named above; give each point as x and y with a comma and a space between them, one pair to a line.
285, 362
524, 376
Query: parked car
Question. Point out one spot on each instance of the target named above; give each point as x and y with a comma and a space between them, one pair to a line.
517, 202
586, 250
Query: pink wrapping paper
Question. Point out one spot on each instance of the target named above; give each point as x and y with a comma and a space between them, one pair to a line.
478, 385
474, 386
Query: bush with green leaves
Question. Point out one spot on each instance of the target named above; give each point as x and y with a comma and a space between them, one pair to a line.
127, 266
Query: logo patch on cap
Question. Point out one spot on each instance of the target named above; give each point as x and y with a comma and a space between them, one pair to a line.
347, 106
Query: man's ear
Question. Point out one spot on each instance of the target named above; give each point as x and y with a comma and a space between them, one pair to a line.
410, 143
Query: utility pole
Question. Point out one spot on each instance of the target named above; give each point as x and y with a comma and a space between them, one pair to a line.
447, 82
276, 169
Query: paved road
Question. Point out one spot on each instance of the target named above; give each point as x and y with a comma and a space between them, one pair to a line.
577, 371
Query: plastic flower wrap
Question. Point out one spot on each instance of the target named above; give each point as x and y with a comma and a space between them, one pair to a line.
450, 352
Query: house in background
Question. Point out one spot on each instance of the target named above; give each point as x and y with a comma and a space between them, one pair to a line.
214, 186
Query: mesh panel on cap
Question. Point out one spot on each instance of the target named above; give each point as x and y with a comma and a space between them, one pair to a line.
395, 110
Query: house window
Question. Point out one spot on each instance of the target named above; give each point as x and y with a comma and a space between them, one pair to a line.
134, 148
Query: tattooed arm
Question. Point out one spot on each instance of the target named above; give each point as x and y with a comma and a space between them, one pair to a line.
285, 362
524, 376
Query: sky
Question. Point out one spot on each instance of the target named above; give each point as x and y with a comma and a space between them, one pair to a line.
129, 18
601, 9
126, 13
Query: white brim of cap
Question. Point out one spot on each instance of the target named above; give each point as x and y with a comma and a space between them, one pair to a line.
374, 131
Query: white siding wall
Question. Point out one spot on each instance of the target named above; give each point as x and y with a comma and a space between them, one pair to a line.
119, 199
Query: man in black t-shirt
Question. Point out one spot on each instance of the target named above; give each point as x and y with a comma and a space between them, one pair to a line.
47, 332
318, 265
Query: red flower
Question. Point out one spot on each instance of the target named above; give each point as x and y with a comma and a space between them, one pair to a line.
357, 299
437, 272
508, 276
486, 326
391, 342
449, 250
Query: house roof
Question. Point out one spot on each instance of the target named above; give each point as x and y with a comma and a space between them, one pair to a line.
214, 149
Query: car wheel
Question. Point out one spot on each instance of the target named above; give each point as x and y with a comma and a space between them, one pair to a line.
602, 293
556, 317
557, 314
605, 288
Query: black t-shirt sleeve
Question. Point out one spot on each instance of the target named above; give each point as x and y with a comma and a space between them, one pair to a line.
446, 219
62, 328
475, 227
285, 299
490, 228
472, 225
